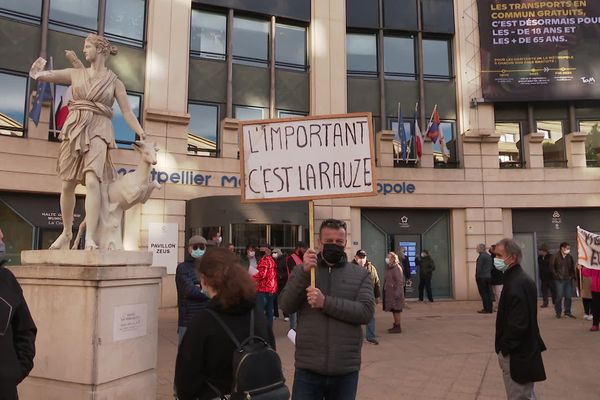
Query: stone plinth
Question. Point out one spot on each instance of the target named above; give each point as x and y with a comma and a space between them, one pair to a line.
97, 319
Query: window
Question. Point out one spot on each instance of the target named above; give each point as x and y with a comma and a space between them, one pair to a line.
12, 104
125, 20
284, 236
592, 142
25, 9
249, 113
289, 114
510, 146
250, 40
203, 129
208, 34
361, 53
124, 135
554, 143
290, 46
74, 16
450, 159
436, 59
399, 54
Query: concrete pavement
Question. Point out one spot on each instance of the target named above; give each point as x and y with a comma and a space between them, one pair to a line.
446, 351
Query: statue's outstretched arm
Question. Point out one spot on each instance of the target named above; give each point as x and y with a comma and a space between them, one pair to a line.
37, 72
128, 115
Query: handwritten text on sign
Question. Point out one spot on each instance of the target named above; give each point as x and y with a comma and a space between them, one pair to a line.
588, 249
321, 157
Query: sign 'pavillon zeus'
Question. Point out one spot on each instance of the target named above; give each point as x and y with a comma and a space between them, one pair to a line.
539, 50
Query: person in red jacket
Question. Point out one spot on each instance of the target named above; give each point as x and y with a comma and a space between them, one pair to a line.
595, 275
266, 281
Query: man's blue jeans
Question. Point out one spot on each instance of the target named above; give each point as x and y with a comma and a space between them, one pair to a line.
564, 288
312, 386
266, 301
371, 329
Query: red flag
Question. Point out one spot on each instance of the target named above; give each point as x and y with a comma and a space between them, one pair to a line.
62, 111
433, 132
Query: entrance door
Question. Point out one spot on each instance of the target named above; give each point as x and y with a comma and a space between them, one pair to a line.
412, 247
529, 263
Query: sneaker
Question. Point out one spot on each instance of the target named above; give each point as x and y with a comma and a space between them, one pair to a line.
286, 319
373, 341
588, 317
594, 328
570, 315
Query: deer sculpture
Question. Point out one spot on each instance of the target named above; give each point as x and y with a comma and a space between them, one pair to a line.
120, 195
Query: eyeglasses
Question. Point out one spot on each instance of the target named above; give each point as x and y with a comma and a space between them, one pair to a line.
198, 246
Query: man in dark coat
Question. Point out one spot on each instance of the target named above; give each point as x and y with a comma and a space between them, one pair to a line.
483, 277
564, 273
17, 335
518, 341
546, 277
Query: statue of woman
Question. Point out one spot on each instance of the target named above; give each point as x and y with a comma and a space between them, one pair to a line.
87, 135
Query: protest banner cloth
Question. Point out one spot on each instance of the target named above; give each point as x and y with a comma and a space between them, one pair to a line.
588, 249
320, 157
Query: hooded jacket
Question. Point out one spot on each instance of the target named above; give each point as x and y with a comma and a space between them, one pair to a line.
329, 340
17, 336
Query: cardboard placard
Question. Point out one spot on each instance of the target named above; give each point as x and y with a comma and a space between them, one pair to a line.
307, 158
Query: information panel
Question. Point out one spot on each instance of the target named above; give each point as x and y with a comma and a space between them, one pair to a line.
539, 50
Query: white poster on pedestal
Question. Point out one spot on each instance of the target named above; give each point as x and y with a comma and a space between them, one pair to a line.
130, 322
163, 240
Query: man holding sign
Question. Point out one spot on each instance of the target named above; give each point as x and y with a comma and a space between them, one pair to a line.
329, 338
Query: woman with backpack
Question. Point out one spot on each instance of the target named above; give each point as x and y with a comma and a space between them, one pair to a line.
204, 368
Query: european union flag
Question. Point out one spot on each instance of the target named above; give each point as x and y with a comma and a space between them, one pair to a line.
43, 92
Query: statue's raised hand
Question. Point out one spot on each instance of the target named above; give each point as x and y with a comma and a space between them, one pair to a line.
37, 67
73, 59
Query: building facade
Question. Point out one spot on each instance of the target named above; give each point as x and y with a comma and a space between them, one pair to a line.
193, 69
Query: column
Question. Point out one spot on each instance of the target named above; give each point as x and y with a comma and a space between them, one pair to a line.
575, 143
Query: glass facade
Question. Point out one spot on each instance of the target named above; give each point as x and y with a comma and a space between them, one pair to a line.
208, 34
12, 104
203, 129
290, 46
361, 50
436, 59
510, 145
399, 54
554, 143
124, 135
592, 142
125, 19
25, 8
73, 16
250, 40
249, 113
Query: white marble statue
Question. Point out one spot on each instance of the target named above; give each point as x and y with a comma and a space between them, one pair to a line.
86, 140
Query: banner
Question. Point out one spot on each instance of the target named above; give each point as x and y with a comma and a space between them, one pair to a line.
163, 240
539, 49
307, 158
588, 249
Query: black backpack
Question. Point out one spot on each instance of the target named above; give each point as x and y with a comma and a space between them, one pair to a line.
257, 373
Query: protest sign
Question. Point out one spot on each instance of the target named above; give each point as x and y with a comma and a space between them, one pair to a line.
588, 249
307, 158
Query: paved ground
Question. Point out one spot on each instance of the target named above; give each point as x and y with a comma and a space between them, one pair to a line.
444, 352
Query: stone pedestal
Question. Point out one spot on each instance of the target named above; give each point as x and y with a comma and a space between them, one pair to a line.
97, 319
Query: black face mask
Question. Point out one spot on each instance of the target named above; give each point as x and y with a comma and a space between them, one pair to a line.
332, 253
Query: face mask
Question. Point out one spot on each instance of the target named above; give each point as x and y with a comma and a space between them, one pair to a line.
251, 254
198, 253
423, 255
332, 253
362, 262
275, 255
220, 239
387, 260
500, 264
567, 251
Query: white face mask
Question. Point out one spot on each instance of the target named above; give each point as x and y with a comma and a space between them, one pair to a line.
251, 254
275, 255
220, 239
387, 260
423, 255
567, 251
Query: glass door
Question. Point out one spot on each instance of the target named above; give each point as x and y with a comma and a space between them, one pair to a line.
412, 247
436, 240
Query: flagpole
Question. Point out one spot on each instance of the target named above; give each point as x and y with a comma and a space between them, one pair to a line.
52, 95
431, 118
